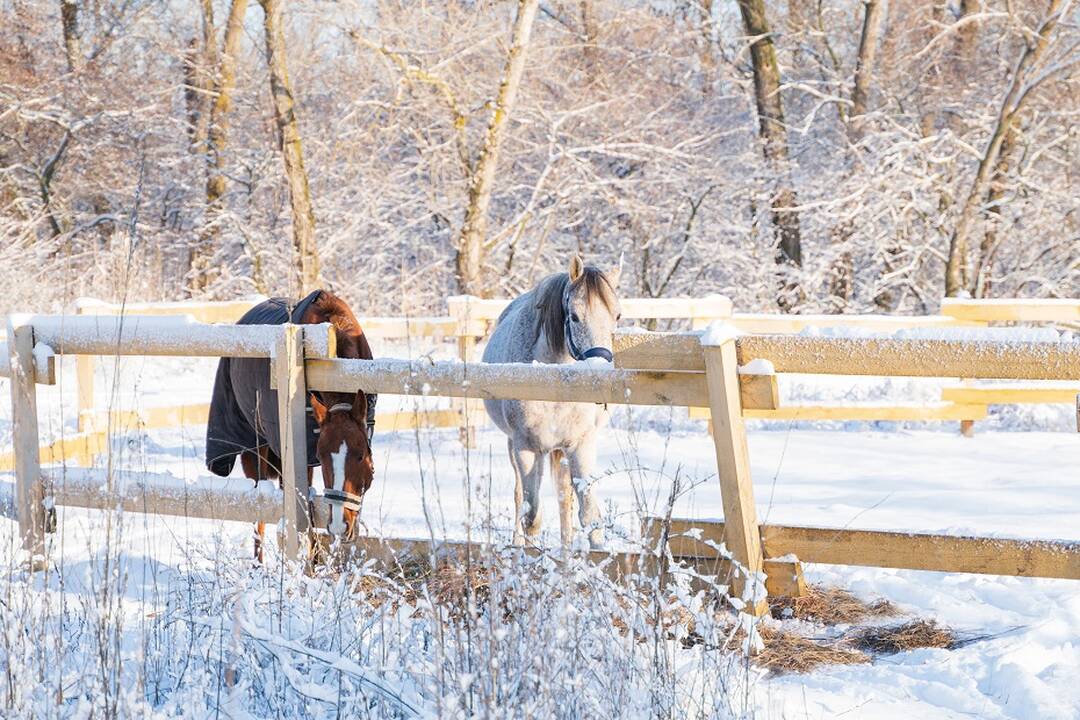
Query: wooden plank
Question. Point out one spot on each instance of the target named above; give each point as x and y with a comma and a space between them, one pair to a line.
1012, 394
759, 392
783, 578
566, 383
914, 412
168, 496
862, 356
898, 412
397, 552
394, 328
171, 336
917, 551
711, 307
905, 551
288, 367
733, 467
413, 419
29, 488
44, 365
771, 323
227, 311
1046, 310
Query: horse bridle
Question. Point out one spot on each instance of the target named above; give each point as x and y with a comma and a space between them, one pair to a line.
575, 351
348, 500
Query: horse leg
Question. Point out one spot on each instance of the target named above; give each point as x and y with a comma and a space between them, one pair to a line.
251, 465
519, 535
530, 470
582, 460
561, 475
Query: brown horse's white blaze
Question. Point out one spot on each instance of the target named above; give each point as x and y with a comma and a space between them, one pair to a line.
344, 455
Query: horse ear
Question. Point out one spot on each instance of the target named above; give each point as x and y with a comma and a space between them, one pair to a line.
318, 410
359, 408
615, 275
577, 267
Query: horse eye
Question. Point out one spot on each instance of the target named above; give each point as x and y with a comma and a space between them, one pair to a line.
574, 317
618, 317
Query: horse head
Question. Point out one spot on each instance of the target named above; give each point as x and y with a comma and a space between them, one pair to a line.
580, 312
344, 453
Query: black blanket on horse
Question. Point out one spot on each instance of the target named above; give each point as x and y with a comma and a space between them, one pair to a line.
244, 410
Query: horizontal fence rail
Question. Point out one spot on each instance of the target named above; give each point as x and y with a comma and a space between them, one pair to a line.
997, 359
882, 548
171, 336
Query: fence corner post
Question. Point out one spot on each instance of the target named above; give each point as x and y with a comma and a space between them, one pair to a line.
29, 486
287, 367
742, 534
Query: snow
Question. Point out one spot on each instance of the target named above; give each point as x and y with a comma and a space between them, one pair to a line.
758, 366
597, 363
718, 333
971, 334
910, 477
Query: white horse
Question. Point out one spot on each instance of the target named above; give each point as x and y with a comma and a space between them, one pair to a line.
567, 317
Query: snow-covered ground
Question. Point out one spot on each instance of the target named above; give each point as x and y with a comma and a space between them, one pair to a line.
879, 476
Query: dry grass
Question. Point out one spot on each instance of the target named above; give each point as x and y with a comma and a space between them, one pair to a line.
831, 606
787, 652
885, 640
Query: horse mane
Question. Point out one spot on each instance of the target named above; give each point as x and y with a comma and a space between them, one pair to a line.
549, 301
351, 342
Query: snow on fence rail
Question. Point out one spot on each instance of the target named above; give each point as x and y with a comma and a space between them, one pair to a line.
652, 369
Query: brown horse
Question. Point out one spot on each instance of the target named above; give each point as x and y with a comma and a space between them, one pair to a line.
243, 416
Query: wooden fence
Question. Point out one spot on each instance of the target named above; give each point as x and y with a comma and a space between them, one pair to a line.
667, 369
470, 318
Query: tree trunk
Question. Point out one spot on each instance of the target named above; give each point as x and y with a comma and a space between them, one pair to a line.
864, 67
956, 269
590, 32
205, 67
989, 245
217, 137
707, 56
470, 250
288, 131
774, 142
966, 36
69, 19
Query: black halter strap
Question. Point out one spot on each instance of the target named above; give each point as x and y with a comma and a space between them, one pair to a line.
575, 351
348, 500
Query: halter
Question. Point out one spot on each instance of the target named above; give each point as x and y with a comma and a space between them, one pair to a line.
575, 351
347, 500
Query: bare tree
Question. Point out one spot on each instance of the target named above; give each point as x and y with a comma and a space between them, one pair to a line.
1017, 95
873, 14
217, 138
69, 19
288, 130
470, 245
774, 142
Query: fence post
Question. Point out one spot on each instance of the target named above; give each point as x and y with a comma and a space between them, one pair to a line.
288, 370
84, 383
29, 488
742, 534
460, 308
